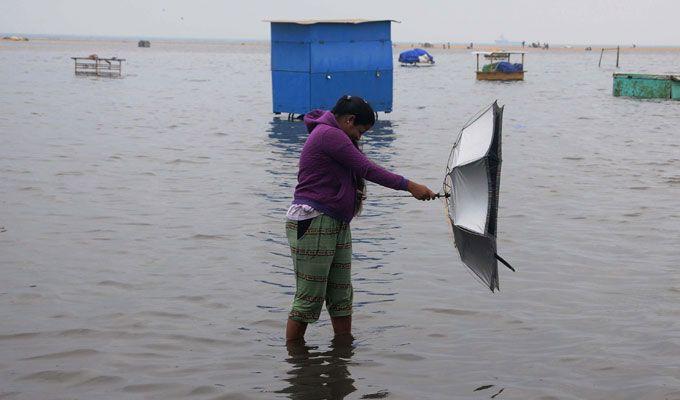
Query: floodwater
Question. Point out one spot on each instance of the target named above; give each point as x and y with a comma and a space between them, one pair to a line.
143, 253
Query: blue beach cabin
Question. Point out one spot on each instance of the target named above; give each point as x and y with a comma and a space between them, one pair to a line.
314, 62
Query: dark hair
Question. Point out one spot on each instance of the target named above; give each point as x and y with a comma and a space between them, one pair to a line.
355, 105
363, 115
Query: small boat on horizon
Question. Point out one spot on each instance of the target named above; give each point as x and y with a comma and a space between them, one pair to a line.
502, 41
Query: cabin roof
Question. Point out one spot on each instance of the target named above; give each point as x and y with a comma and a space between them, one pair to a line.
327, 21
98, 58
498, 53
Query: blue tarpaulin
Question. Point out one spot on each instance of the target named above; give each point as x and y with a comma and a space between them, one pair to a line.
505, 66
413, 56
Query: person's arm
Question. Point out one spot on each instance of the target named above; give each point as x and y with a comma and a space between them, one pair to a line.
339, 147
421, 192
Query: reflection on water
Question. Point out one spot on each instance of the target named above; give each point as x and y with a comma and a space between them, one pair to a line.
320, 375
380, 136
290, 136
287, 135
286, 139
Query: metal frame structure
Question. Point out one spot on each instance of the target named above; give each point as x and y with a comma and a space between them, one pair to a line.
101, 67
618, 53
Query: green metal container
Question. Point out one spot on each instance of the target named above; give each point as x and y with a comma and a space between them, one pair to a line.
675, 88
645, 86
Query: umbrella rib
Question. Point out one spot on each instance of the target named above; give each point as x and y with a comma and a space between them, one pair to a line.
499, 258
477, 116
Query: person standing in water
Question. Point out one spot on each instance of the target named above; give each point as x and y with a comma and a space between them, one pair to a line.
329, 193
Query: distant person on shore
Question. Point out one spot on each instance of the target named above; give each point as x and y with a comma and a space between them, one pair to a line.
330, 192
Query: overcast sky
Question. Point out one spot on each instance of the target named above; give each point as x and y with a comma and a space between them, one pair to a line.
643, 22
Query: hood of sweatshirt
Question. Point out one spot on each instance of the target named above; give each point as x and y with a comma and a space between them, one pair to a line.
315, 118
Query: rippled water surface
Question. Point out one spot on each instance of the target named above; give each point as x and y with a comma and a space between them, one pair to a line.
143, 253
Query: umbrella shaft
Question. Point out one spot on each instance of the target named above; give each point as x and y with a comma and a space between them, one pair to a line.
439, 195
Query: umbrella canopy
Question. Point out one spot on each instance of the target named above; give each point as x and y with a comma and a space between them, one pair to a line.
414, 56
472, 184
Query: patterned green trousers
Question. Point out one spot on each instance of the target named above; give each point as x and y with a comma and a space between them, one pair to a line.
322, 257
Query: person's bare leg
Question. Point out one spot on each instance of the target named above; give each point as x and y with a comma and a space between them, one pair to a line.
295, 330
342, 325
297, 349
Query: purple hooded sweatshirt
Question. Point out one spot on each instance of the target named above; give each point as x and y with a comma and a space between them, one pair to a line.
328, 164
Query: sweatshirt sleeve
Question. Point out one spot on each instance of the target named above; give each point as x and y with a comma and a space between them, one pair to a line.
339, 147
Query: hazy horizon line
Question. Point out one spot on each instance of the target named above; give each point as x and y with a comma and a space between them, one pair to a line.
243, 39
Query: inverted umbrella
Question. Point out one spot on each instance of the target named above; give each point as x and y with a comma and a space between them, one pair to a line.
471, 188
